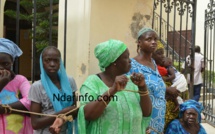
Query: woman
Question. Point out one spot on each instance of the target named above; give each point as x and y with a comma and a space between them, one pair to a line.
143, 63
127, 112
189, 119
50, 94
11, 86
172, 93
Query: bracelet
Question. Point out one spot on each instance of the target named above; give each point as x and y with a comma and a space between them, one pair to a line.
108, 92
103, 101
144, 94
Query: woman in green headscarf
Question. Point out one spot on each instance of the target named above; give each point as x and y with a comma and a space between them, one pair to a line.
107, 108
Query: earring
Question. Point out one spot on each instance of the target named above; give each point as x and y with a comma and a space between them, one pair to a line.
114, 64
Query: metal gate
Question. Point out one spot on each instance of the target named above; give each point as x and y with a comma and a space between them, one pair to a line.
41, 21
209, 49
174, 21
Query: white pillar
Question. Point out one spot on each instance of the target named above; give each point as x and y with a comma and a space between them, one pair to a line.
2, 3
78, 27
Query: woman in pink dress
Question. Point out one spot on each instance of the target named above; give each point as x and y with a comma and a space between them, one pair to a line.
13, 92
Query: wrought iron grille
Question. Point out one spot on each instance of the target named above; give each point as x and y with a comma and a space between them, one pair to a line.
174, 21
39, 14
209, 45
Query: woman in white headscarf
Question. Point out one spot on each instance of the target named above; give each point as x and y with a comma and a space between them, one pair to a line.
11, 85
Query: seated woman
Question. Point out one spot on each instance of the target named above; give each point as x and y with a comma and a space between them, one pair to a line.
11, 86
189, 119
108, 107
46, 94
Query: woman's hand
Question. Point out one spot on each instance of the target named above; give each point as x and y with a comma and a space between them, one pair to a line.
139, 80
56, 126
120, 83
2, 111
173, 91
5, 78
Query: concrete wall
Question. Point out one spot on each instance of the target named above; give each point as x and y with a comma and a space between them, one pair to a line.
95, 21
200, 19
90, 22
117, 19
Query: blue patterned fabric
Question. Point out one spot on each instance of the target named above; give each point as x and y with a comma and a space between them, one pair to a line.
8, 97
175, 127
191, 104
9, 47
157, 89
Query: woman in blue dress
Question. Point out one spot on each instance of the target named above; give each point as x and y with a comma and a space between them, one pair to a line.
143, 63
189, 119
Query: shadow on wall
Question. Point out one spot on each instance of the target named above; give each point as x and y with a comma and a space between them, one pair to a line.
138, 21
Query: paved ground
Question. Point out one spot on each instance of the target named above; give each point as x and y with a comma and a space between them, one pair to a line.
209, 129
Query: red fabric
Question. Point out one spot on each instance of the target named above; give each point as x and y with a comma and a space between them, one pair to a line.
162, 71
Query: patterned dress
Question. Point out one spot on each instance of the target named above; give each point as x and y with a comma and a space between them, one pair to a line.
123, 114
175, 127
157, 90
15, 123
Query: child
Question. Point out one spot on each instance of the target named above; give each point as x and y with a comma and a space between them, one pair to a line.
11, 86
53, 94
178, 80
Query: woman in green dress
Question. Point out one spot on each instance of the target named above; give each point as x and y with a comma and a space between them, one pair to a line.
114, 103
111, 102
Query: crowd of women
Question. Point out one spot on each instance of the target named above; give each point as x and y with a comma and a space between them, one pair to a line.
145, 102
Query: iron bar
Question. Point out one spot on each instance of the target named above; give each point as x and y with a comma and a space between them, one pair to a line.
50, 21
65, 33
193, 43
33, 61
17, 33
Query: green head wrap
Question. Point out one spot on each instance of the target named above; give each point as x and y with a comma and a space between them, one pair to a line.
107, 52
144, 30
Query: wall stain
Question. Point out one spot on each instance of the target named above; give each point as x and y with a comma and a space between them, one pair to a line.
138, 21
83, 68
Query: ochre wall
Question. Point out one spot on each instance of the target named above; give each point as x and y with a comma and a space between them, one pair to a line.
95, 21
117, 19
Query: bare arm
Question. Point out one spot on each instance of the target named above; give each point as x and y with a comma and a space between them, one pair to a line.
16, 105
145, 101
5, 77
171, 73
39, 122
172, 91
94, 109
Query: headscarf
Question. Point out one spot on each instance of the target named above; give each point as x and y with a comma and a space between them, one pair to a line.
52, 90
107, 52
9, 47
159, 45
191, 104
144, 30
